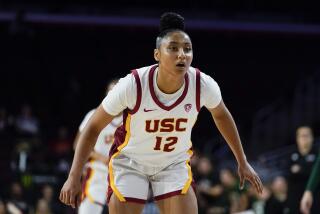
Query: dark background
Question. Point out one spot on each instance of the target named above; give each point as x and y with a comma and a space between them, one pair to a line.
58, 55
61, 68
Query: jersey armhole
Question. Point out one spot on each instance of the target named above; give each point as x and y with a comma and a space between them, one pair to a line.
139, 92
198, 88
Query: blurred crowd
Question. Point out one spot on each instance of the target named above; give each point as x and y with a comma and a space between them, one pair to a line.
34, 165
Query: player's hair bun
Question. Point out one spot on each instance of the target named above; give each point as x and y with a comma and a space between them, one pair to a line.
171, 20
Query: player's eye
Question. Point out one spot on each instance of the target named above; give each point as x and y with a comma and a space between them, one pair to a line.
187, 49
173, 48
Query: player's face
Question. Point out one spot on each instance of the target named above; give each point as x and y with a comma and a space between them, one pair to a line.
304, 138
175, 52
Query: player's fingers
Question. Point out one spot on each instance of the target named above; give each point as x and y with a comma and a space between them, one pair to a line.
63, 196
256, 184
66, 197
60, 196
253, 182
259, 184
72, 200
78, 198
241, 184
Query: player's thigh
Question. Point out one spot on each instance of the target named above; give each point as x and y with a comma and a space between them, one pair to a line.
127, 183
118, 207
87, 207
179, 204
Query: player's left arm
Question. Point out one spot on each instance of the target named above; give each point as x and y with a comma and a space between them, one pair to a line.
227, 127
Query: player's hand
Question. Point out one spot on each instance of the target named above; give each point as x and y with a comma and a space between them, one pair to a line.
306, 202
246, 172
70, 193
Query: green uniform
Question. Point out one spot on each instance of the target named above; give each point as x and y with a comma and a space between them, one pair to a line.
314, 178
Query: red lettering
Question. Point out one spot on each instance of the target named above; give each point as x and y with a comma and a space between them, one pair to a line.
167, 125
155, 125
168, 146
158, 143
178, 122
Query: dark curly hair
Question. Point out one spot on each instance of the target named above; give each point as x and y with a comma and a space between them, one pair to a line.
169, 22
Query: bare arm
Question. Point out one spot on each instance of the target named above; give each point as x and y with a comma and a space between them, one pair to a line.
227, 127
87, 140
93, 154
70, 192
76, 140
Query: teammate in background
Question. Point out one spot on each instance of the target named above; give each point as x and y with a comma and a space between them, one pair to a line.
95, 183
160, 104
300, 167
313, 183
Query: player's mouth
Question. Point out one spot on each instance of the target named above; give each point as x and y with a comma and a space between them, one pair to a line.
181, 65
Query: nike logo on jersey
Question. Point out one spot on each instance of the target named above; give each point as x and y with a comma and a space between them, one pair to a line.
147, 110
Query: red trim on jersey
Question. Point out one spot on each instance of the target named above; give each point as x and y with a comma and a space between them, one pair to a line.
139, 92
153, 94
119, 138
174, 193
85, 182
135, 200
198, 89
167, 195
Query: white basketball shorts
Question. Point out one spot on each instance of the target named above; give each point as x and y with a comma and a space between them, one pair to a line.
130, 181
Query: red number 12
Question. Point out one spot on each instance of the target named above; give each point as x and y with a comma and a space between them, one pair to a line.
168, 147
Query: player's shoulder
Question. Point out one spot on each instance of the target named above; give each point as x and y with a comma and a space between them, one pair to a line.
203, 76
90, 113
144, 70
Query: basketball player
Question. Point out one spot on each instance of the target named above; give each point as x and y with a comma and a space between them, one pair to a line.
95, 184
160, 104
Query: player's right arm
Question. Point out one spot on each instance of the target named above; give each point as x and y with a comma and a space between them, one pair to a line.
122, 96
70, 192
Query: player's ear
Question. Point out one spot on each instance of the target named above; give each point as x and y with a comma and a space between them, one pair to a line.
156, 54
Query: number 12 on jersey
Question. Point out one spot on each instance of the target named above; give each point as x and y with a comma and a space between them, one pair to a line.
168, 143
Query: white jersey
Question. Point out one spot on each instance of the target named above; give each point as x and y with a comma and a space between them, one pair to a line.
157, 129
104, 140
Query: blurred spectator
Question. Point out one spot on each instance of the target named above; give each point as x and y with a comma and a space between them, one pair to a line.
205, 178
307, 200
48, 195
224, 197
300, 166
194, 162
277, 203
5, 122
27, 124
238, 199
258, 201
16, 202
61, 150
62, 145
3, 209
42, 207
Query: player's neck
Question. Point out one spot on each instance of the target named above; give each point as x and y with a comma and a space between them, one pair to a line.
169, 83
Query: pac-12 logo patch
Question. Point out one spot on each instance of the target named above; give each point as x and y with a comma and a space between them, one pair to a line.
187, 107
